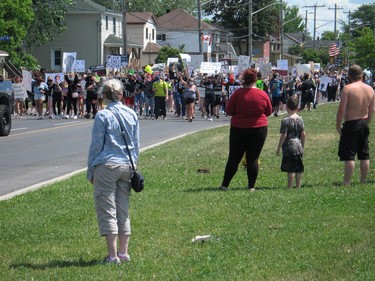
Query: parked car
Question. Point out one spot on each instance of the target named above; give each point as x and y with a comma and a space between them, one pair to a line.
6, 107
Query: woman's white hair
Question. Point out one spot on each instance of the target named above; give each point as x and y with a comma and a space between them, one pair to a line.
112, 89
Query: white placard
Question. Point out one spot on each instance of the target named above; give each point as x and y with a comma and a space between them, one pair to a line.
19, 91
79, 66
303, 68
27, 80
316, 67
324, 80
171, 60
243, 63
113, 62
53, 75
282, 64
210, 67
196, 61
185, 57
68, 61
266, 69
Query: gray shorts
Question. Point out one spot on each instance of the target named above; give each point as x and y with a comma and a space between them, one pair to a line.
111, 193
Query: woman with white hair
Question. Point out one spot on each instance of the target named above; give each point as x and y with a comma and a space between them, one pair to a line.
110, 170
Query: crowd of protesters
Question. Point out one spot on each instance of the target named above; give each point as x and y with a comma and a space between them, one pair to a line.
153, 95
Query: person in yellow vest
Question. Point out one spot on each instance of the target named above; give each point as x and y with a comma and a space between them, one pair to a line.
160, 88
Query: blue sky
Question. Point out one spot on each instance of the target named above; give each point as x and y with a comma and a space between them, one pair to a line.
325, 15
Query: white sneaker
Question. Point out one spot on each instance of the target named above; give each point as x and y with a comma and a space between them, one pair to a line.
66, 116
75, 117
125, 258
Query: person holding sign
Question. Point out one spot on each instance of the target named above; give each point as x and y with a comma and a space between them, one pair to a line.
20, 97
191, 94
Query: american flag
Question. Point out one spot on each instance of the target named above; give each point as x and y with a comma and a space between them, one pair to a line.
334, 50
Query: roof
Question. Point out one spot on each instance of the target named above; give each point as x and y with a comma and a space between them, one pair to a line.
114, 41
3, 54
87, 6
140, 18
296, 37
180, 19
151, 48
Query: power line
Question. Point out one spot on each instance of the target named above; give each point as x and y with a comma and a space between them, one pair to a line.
336, 8
315, 7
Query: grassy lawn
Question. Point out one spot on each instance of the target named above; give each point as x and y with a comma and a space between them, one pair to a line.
320, 232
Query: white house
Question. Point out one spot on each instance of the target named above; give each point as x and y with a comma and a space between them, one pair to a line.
93, 32
178, 28
141, 28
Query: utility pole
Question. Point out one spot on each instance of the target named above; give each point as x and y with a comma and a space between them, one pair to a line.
124, 36
251, 30
200, 28
350, 34
335, 29
281, 31
349, 23
314, 6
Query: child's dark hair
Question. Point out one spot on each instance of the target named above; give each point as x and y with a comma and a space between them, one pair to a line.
292, 103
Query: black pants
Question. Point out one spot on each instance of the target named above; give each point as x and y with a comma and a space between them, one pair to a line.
56, 102
160, 107
72, 102
250, 141
91, 97
210, 103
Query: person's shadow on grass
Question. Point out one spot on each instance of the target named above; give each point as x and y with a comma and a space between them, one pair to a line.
56, 264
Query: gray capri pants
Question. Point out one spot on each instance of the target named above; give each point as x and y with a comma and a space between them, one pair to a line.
111, 193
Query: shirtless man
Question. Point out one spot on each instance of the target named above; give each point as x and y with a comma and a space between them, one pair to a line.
356, 109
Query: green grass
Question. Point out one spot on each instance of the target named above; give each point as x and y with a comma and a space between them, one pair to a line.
320, 232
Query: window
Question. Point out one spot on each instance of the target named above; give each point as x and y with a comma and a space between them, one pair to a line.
153, 34
146, 33
160, 37
114, 25
57, 56
106, 23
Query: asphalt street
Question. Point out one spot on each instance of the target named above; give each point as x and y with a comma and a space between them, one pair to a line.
38, 152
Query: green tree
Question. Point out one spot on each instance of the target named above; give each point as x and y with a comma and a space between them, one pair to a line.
296, 50
319, 56
49, 20
328, 35
293, 22
364, 16
234, 15
363, 49
168, 52
16, 16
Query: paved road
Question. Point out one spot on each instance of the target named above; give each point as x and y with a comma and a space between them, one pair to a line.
40, 151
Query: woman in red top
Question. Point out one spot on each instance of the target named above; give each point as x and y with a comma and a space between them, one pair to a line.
248, 108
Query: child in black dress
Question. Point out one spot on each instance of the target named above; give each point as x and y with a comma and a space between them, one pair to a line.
292, 142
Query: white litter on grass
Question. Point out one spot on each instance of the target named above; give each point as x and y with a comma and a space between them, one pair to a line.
201, 238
